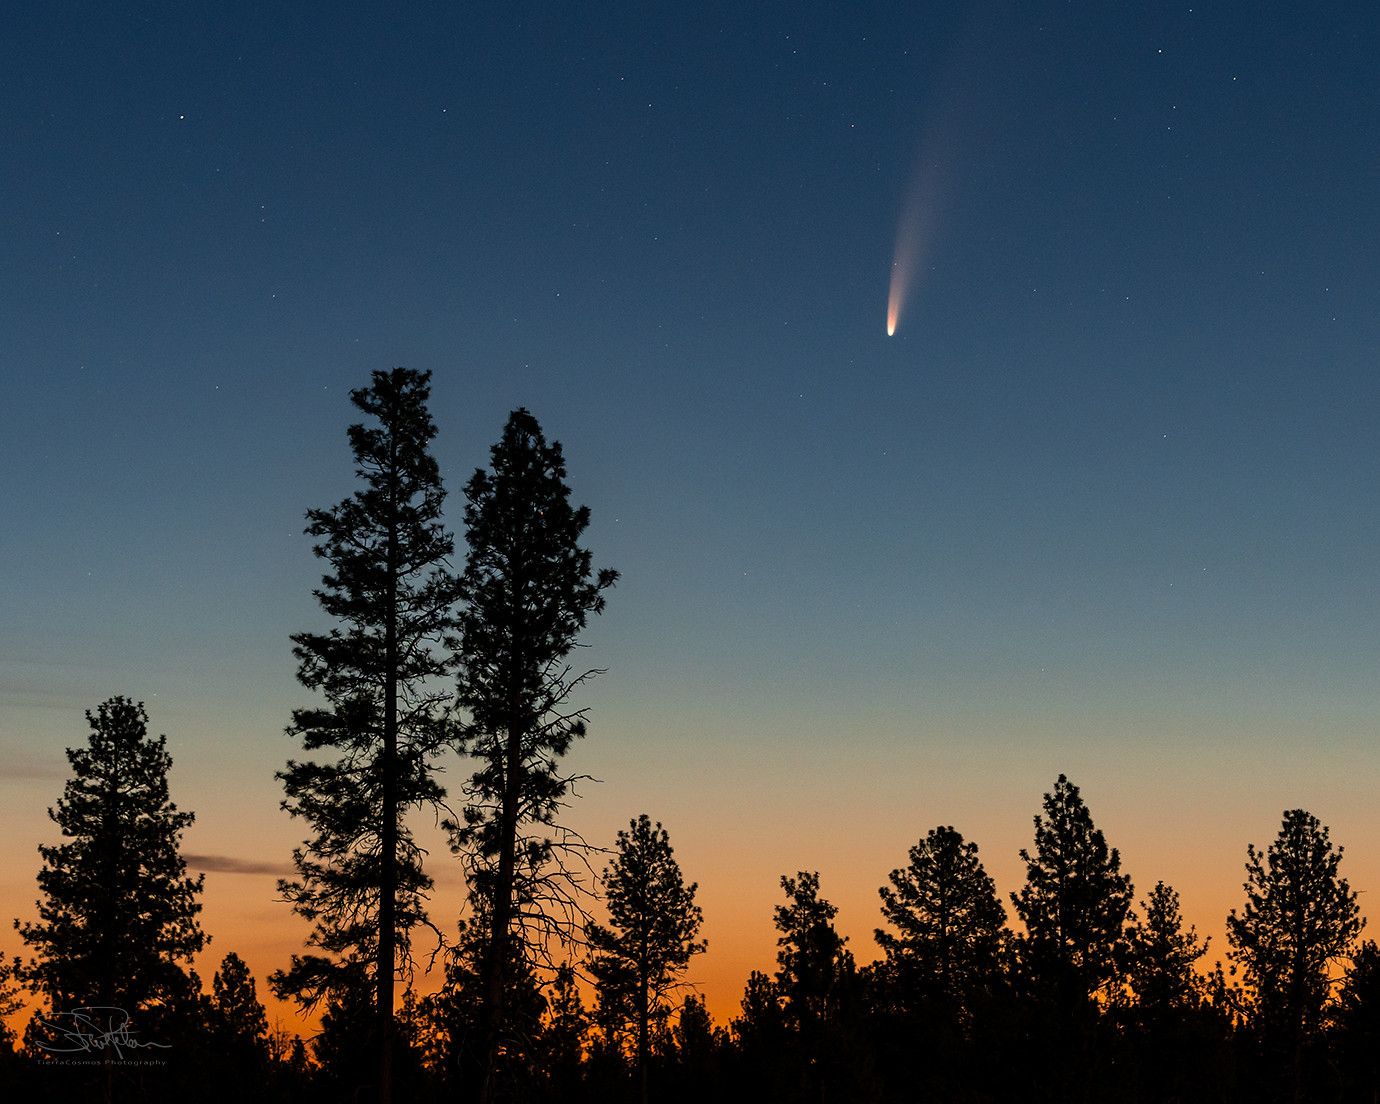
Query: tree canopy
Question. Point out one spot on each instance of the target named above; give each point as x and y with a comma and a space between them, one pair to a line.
637, 960
381, 668
949, 924
528, 589
1075, 900
118, 914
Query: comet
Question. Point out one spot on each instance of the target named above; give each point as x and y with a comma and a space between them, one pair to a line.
914, 232
947, 136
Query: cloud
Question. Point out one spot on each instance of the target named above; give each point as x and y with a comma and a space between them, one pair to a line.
224, 864
21, 767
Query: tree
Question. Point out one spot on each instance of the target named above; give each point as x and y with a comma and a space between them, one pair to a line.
1356, 1034
10, 1003
1300, 918
817, 979
1075, 901
762, 1026
564, 1030
528, 591
1162, 956
760, 1040
812, 959
637, 961
1074, 906
118, 913
695, 1054
360, 878
239, 1018
1174, 1039
235, 1059
949, 922
456, 1024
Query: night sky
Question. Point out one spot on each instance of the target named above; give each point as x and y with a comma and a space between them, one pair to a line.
1105, 504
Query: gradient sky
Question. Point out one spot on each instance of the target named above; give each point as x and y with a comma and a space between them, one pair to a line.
1105, 504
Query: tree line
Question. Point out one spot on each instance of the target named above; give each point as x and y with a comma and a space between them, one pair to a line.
1096, 997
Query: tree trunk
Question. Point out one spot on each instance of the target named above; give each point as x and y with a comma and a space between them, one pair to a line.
388, 842
502, 911
642, 1032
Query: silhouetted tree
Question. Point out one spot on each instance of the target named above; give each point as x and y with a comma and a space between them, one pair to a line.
694, 1034
760, 1039
528, 591
455, 1020
345, 1046
360, 878
931, 998
1074, 906
1300, 917
10, 999
1075, 901
1170, 1029
812, 958
10, 1003
1161, 958
1356, 1031
637, 961
118, 913
818, 981
239, 1020
950, 925
565, 1029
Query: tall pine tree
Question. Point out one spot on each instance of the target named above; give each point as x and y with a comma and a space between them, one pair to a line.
390, 590
653, 920
119, 913
529, 591
1301, 917
950, 926
1075, 902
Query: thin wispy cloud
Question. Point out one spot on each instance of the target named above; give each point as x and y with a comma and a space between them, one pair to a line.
28, 768
224, 864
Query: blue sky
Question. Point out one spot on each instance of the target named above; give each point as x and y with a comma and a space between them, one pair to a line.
1105, 504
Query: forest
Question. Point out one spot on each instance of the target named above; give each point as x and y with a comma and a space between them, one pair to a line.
569, 976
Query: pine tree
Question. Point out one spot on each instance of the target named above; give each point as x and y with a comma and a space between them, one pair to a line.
951, 925
813, 963
10, 1003
653, 920
760, 1040
819, 983
1356, 1031
528, 591
118, 913
239, 1019
1161, 961
235, 1064
360, 878
1300, 917
1075, 902
1171, 1036
1075, 906
565, 1028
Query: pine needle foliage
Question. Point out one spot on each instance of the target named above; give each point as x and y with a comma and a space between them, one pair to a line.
638, 959
1301, 917
950, 926
1075, 902
119, 912
383, 670
528, 591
